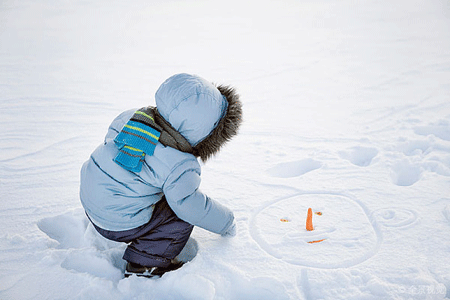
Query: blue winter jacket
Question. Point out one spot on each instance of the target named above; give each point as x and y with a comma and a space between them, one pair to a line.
116, 199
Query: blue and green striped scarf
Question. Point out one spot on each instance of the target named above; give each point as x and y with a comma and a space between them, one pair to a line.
136, 139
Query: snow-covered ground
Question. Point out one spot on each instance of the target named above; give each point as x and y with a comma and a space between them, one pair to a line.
347, 111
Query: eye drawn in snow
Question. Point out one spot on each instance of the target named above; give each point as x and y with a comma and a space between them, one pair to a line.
359, 156
294, 168
343, 233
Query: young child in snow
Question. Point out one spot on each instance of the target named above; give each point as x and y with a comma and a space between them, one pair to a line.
141, 186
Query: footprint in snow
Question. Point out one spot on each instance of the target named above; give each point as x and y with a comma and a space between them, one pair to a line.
404, 173
359, 156
294, 168
67, 229
416, 147
83, 250
440, 129
86, 251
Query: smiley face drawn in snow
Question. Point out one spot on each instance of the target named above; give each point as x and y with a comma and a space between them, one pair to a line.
343, 233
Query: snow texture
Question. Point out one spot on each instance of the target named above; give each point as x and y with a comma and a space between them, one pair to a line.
346, 110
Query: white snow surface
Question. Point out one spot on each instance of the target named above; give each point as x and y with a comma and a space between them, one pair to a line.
347, 112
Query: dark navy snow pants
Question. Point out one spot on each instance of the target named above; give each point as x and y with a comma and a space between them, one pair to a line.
156, 243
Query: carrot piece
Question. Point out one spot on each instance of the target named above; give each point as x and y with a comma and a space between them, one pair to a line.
309, 223
318, 241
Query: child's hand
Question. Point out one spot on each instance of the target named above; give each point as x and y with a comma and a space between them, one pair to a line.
231, 231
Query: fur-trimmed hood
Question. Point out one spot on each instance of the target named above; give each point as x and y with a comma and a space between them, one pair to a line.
206, 115
226, 129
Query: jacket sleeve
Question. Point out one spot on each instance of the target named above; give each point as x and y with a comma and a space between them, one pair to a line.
189, 204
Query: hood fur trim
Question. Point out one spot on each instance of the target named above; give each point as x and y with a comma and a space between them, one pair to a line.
227, 128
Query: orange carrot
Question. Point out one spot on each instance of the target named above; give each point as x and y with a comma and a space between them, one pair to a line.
309, 223
318, 241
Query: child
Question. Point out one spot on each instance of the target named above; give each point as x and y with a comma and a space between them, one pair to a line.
141, 186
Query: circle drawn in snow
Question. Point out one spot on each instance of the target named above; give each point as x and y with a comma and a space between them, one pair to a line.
398, 217
347, 233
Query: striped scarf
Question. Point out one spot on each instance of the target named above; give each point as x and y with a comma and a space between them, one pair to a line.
140, 135
137, 138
